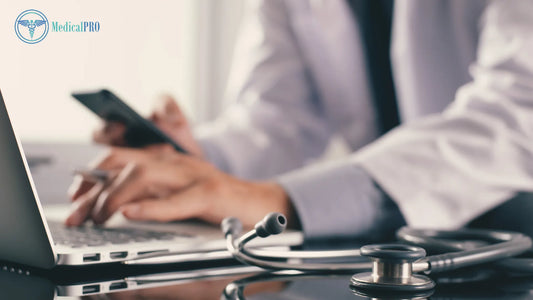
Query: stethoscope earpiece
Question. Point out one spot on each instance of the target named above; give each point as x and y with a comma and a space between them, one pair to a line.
273, 223
231, 226
392, 269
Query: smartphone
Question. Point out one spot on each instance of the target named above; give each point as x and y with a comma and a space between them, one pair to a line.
139, 131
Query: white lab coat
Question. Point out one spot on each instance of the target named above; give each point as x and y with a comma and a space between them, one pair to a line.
299, 78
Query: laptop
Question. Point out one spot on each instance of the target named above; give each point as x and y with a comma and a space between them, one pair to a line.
34, 236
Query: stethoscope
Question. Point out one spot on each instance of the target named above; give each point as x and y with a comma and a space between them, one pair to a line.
394, 267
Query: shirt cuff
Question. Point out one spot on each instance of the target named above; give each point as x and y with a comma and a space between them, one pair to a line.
340, 200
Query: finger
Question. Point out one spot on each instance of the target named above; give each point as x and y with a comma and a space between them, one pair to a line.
79, 187
85, 180
169, 168
169, 111
168, 116
164, 172
110, 133
118, 158
134, 183
84, 205
160, 150
170, 119
187, 204
125, 188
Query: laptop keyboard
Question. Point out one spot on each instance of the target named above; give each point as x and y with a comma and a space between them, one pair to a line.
77, 237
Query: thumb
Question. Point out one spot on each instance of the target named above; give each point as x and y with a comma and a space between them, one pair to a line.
168, 110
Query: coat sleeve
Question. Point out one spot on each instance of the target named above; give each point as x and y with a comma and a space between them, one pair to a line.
444, 170
341, 200
447, 169
275, 123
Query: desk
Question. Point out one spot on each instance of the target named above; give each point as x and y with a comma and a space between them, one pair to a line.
210, 282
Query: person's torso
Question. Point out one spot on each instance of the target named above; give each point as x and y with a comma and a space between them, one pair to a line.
433, 45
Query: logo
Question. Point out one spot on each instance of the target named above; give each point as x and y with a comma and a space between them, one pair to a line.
31, 26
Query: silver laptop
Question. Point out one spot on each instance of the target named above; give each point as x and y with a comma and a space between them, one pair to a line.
26, 237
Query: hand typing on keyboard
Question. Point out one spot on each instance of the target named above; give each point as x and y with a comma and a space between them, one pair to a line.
158, 183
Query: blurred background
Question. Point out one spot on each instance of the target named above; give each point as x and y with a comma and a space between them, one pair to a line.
143, 49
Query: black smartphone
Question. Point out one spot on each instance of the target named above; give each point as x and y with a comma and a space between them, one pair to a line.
139, 131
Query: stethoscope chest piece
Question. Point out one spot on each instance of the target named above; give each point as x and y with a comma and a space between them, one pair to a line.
392, 269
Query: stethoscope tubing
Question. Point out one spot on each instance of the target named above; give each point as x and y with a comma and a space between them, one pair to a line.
508, 244
265, 261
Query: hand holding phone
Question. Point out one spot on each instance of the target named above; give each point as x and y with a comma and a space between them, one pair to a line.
140, 132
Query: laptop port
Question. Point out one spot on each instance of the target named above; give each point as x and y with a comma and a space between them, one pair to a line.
117, 286
118, 254
91, 257
89, 289
151, 252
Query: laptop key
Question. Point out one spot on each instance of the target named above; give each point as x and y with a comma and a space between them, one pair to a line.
96, 243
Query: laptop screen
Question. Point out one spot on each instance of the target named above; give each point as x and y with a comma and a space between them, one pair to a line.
22, 231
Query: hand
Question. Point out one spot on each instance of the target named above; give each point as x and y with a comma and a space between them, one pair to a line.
161, 184
167, 116
171, 120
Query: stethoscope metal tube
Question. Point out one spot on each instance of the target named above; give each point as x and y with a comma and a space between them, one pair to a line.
303, 254
248, 257
269, 260
508, 244
393, 266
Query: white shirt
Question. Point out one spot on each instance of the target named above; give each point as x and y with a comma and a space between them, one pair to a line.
300, 79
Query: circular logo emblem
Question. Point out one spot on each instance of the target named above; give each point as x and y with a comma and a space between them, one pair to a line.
31, 26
